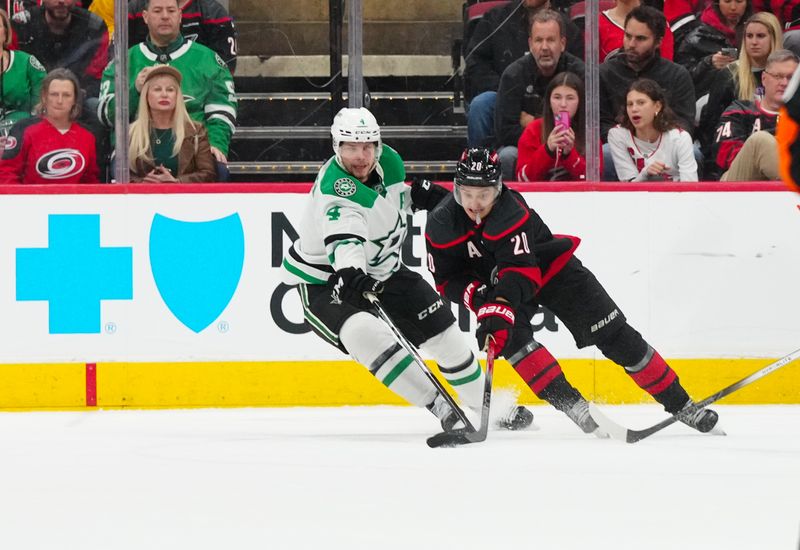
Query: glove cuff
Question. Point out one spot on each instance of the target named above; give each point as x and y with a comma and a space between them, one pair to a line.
469, 295
497, 310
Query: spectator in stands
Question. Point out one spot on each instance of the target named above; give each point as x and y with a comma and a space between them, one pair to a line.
207, 83
166, 145
52, 147
105, 9
520, 97
743, 78
499, 39
713, 44
552, 147
644, 31
744, 146
203, 21
649, 145
21, 77
611, 30
682, 16
60, 34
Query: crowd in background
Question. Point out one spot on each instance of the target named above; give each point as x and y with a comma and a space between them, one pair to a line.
689, 89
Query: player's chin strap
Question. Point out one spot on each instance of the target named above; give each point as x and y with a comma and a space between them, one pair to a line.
415, 354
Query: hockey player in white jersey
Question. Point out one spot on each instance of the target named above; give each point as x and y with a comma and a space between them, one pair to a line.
350, 241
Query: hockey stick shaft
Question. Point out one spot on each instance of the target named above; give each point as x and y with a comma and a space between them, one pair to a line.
418, 359
462, 437
632, 436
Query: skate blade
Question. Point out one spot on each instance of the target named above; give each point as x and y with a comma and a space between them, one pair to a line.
716, 430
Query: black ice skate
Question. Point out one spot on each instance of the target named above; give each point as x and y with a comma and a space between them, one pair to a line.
702, 420
518, 418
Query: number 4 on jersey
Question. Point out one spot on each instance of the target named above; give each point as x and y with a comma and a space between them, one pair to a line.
333, 213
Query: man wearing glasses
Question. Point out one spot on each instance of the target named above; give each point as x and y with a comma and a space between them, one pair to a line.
744, 146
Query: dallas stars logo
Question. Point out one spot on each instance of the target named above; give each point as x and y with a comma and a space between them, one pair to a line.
390, 243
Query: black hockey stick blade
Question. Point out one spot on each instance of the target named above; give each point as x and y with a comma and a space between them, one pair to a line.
464, 436
632, 436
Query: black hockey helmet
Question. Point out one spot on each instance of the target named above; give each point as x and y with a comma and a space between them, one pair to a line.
478, 167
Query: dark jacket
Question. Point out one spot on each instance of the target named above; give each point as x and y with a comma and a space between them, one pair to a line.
83, 49
723, 92
195, 161
522, 88
486, 59
702, 42
616, 76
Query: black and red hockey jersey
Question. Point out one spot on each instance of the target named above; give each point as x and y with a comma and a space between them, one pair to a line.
36, 152
512, 249
738, 122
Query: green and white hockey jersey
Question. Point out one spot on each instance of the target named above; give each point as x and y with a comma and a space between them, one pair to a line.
207, 86
347, 223
19, 87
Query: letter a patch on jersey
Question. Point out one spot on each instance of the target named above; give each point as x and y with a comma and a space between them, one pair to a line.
473, 250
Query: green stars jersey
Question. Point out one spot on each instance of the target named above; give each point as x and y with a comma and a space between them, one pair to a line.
19, 87
347, 223
207, 86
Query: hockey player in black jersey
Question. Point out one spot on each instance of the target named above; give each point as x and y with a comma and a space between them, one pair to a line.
488, 250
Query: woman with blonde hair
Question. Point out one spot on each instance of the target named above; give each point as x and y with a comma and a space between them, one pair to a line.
166, 145
742, 79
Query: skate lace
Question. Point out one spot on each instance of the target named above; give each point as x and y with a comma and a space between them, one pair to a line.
692, 418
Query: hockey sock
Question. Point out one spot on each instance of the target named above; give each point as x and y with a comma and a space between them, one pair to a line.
386, 359
657, 378
540, 370
457, 365
645, 366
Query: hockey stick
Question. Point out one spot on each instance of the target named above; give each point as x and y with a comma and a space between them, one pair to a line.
632, 436
415, 354
462, 437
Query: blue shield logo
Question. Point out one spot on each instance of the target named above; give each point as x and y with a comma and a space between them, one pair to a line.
196, 266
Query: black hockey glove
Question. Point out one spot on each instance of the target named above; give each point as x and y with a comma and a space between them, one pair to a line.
350, 284
475, 296
425, 194
495, 319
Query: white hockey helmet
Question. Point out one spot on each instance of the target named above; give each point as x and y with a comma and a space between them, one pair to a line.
358, 125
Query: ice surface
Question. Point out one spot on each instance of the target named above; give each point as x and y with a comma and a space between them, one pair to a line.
363, 478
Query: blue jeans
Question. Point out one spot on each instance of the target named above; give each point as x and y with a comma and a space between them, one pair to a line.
480, 119
508, 162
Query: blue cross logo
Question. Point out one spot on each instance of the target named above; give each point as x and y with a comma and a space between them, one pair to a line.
74, 273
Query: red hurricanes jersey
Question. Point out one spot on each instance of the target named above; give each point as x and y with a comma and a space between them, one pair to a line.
36, 152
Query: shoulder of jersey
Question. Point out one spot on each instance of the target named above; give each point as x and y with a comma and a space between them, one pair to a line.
336, 182
508, 214
394, 171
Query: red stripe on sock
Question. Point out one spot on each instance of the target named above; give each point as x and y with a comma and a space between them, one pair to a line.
656, 376
91, 384
534, 364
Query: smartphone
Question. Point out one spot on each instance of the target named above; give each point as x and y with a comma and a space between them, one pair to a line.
562, 119
730, 52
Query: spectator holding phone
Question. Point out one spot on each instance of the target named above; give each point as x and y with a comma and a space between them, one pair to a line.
713, 45
742, 78
649, 145
552, 147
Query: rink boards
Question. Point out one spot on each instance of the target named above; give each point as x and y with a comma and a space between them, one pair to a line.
151, 296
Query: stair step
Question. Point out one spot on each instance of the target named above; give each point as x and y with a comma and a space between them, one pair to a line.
323, 132
281, 171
